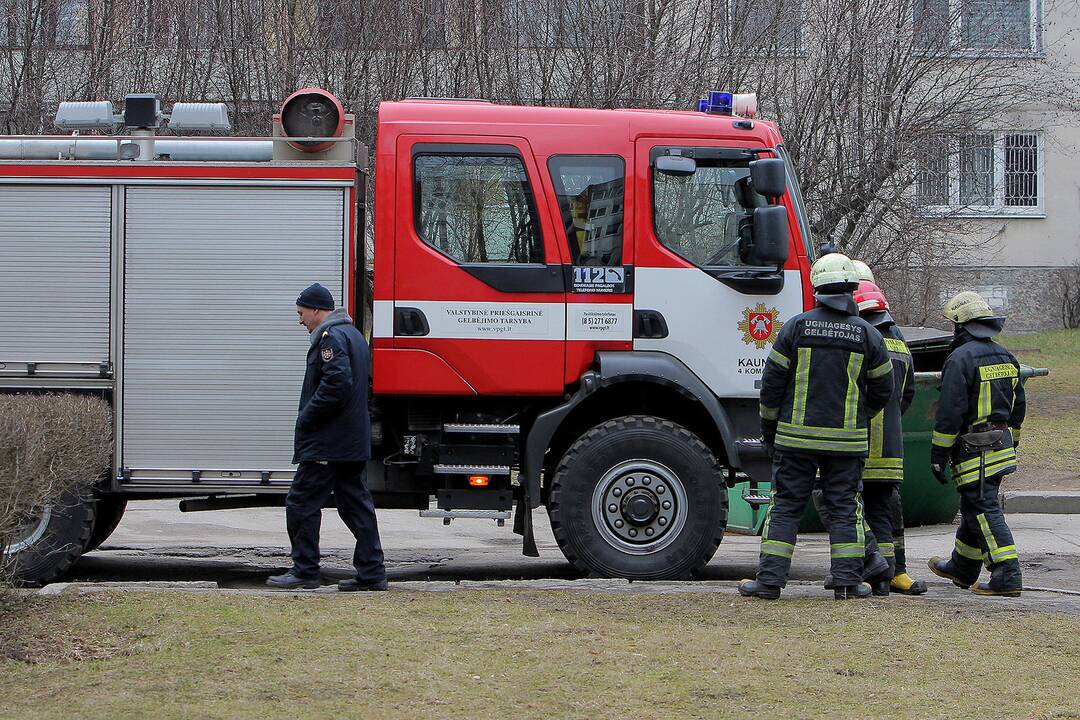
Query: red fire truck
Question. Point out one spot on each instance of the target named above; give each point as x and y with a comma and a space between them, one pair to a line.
571, 309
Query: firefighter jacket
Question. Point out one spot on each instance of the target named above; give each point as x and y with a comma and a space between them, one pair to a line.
885, 461
333, 423
980, 389
826, 376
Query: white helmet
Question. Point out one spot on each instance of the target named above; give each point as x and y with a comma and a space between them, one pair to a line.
834, 269
864, 271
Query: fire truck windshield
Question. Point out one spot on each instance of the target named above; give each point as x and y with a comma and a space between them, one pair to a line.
703, 216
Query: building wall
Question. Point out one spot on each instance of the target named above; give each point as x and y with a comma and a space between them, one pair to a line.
1023, 262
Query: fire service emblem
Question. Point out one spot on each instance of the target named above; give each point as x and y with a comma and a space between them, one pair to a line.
760, 325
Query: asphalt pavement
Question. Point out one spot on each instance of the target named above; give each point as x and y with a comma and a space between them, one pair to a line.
156, 544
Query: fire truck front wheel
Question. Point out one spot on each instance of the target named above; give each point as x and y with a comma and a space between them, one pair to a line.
47, 545
638, 497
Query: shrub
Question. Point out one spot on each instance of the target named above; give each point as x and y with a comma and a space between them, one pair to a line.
50, 445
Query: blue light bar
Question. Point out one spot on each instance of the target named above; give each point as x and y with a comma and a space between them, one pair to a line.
718, 103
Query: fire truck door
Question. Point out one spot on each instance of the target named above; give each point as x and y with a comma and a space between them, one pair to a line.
478, 276
721, 313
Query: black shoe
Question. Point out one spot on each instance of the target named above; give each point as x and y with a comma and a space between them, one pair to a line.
829, 582
848, 592
289, 581
351, 585
984, 588
880, 587
752, 588
940, 567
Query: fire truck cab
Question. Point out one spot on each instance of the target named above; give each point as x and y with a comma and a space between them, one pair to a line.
571, 310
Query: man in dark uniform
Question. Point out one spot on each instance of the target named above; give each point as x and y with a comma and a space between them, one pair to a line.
978, 422
826, 376
332, 446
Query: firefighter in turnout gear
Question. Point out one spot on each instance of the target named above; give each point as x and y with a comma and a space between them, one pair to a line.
978, 422
884, 469
826, 376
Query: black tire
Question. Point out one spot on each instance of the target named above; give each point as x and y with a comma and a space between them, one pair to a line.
610, 465
107, 515
52, 547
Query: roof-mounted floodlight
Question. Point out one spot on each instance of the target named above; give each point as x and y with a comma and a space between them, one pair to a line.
200, 116
96, 115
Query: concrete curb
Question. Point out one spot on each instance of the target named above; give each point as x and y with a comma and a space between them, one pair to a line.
1057, 502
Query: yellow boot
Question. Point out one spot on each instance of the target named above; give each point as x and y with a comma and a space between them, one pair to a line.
906, 585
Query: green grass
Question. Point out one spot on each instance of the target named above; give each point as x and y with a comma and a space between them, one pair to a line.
1051, 432
535, 655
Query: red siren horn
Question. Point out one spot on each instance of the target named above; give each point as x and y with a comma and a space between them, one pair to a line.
312, 112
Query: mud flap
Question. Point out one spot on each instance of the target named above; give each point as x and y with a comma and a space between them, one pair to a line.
523, 525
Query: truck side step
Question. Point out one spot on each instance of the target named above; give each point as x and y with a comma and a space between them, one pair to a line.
499, 516
471, 469
481, 429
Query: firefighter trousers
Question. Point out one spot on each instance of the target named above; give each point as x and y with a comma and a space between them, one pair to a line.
793, 484
984, 538
311, 489
897, 504
879, 538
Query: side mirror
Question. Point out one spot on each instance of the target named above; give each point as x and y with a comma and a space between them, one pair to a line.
676, 165
770, 236
769, 177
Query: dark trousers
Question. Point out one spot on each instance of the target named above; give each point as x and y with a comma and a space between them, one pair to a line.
900, 564
793, 483
984, 538
310, 491
879, 509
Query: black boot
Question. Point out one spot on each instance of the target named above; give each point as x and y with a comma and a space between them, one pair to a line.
849, 592
988, 588
752, 588
289, 581
880, 586
829, 582
351, 585
942, 568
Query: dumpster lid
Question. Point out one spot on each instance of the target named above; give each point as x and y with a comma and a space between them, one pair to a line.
926, 337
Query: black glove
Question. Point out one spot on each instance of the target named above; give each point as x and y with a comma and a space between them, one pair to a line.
940, 455
768, 436
939, 473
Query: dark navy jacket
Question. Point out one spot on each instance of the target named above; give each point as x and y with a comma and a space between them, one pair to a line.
827, 375
333, 423
980, 384
886, 459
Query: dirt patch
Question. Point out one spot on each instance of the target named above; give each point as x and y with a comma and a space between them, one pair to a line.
1040, 478
38, 631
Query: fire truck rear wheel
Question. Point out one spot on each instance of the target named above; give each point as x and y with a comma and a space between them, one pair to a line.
107, 515
48, 545
638, 497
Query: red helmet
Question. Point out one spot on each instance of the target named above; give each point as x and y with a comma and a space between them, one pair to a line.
869, 298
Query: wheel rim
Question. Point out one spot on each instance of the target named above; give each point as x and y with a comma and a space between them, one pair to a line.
639, 507
30, 533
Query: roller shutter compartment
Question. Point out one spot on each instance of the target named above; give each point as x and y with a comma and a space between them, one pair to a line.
213, 355
54, 279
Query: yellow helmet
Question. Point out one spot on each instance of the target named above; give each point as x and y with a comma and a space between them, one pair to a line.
864, 271
833, 269
967, 306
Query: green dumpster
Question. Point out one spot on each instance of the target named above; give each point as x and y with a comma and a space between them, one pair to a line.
926, 501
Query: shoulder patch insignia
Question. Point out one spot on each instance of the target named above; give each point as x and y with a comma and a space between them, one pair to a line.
328, 354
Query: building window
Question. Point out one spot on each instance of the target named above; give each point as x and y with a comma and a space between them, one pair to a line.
980, 173
476, 208
976, 26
